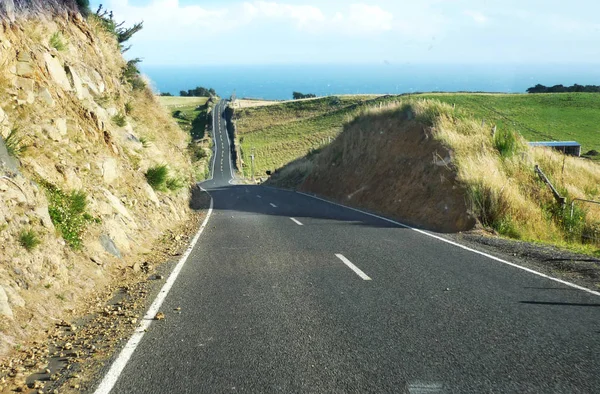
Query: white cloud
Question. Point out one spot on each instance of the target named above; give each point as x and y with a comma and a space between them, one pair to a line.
363, 18
477, 16
193, 19
302, 15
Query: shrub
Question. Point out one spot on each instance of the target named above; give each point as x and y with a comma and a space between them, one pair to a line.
145, 141
56, 42
128, 108
505, 141
119, 120
157, 177
174, 184
29, 240
196, 151
67, 211
490, 207
132, 75
15, 144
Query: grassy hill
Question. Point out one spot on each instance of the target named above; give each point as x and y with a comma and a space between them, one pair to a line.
449, 172
176, 101
283, 132
537, 117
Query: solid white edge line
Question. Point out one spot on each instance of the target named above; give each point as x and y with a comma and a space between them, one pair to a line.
111, 377
296, 221
354, 268
273, 205
564, 282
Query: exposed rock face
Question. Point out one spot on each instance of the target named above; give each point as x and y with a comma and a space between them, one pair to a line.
60, 105
57, 72
109, 170
5, 309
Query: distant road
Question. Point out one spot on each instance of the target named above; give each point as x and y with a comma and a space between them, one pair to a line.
285, 293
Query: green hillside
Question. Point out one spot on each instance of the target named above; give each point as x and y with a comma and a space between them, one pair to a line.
283, 132
538, 117
280, 133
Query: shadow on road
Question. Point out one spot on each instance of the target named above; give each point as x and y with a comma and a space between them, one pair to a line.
243, 198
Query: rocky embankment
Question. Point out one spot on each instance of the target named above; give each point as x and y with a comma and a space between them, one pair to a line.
79, 133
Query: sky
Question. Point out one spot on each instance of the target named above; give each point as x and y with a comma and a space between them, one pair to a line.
232, 32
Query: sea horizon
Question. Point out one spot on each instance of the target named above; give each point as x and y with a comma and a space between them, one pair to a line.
278, 82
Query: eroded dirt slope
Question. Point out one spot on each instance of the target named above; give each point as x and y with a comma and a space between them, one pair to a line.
393, 166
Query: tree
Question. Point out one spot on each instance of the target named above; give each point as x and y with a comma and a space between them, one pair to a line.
298, 95
123, 34
564, 89
199, 91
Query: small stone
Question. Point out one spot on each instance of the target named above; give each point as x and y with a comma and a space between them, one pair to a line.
159, 316
178, 308
159, 277
447, 289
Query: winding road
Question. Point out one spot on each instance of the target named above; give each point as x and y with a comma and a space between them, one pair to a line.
285, 293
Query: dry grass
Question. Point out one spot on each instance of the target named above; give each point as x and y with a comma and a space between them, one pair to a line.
504, 191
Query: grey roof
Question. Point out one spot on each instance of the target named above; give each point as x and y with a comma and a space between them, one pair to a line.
555, 143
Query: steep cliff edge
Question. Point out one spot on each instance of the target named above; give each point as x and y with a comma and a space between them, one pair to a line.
79, 132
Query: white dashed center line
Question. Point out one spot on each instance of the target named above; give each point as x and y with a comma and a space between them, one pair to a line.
273, 205
296, 221
258, 196
352, 267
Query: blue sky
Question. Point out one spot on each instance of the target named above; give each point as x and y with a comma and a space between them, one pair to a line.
193, 32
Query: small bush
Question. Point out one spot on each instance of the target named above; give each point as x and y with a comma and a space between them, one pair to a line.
67, 211
196, 151
157, 177
132, 75
56, 42
15, 144
174, 184
490, 207
119, 120
29, 240
505, 141
145, 141
128, 108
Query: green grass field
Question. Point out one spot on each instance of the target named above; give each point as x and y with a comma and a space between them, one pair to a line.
283, 132
176, 101
537, 117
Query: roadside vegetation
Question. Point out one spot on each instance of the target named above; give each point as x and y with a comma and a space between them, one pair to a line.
496, 170
537, 117
68, 213
280, 133
194, 116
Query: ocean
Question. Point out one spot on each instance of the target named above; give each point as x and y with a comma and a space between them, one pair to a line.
278, 82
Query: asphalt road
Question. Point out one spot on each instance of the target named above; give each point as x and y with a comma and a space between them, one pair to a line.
270, 305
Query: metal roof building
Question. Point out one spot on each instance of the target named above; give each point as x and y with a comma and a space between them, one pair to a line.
572, 148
